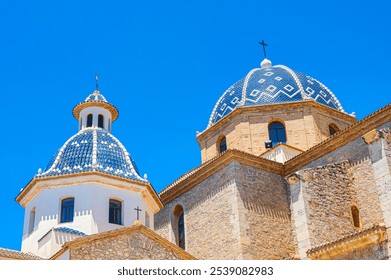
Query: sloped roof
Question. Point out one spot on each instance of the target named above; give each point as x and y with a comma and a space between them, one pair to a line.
17, 255
136, 227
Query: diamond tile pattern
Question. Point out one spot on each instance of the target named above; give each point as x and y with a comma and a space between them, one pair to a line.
277, 84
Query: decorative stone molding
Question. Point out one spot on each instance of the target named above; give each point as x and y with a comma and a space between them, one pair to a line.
111, 108
293, 178
371, 137
349, 243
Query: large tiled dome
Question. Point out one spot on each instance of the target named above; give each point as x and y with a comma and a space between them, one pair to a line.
270, 85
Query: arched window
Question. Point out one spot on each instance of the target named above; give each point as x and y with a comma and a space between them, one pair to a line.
115, 212
109, 125
181, 231
147, 222
277, 133
222, 145
32, 220
67, 210
178, 226
355, 216
100, 121
89, 120
333, 129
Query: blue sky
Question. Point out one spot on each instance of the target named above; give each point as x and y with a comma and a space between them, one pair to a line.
164, 64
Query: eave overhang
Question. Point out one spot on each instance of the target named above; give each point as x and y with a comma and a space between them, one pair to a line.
349, 243
85, 104
37, 184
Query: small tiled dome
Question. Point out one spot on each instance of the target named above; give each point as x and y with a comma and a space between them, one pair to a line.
93, 149
95, 96
270, 85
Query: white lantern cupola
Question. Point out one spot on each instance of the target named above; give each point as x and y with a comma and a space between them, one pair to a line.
95, 112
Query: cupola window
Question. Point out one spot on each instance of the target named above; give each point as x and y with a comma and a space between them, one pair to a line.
100, 121
115, 212
89, 120
223, 145
277, 133
67, 210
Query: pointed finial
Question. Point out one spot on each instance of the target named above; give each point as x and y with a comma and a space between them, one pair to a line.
264, 45
96, 81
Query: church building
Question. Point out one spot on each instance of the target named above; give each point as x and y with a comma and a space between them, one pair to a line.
285, 173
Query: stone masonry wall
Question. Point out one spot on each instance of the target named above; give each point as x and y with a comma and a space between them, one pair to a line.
337, 181
136, 246
329, 195
238, 213
266, 228
366, 194
211, 218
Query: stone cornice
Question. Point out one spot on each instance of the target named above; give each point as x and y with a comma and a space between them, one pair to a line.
339, 139
273, 107
39, 183
349, 243
199, 174
371, 137
136, 227
85, 104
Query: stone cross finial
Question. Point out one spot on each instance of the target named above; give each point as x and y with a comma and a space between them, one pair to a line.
138, 210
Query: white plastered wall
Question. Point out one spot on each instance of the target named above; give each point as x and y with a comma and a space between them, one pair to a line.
91, 211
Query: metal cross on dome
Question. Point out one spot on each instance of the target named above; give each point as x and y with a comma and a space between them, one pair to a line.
96, 81
264, 45
138, 210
